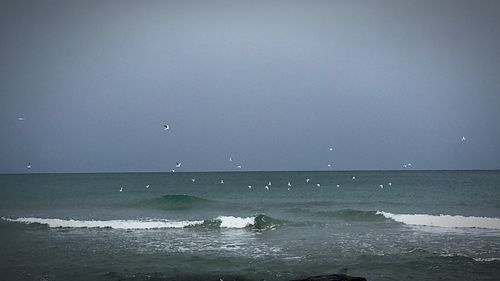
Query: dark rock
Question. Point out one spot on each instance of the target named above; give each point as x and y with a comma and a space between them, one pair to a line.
332, 277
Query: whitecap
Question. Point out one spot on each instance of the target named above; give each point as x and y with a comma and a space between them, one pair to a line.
115, 224
486, 259
235, 222
444, 220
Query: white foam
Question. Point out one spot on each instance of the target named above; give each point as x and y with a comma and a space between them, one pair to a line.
235, 222
444, 220
116, 224
475, 259
486, 259
226, 222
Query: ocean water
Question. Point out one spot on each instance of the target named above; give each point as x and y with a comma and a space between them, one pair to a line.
382, 225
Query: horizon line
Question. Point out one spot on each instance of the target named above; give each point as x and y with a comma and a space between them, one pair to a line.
254, 171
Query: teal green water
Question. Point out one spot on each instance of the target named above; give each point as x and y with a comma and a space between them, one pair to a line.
381, 225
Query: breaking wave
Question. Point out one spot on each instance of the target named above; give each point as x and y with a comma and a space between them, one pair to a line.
444, 220
491, 259
486, 259
266, 222
257, 222
115, 224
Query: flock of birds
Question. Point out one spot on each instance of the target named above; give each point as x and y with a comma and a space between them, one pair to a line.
166, 127
269, 184
178, 165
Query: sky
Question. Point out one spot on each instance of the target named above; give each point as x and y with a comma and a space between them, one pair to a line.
271, 84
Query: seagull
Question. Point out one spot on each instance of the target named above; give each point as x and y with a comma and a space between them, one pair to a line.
381, 186
221, 181
193, 180
463, 138
329, 165
147, 186
173, 171
389, 184
338, 185
230, 159
269, 183
121, 189
404, 166
266, 187
20, 118
249, 187
289, 184
29, 165
178, 164
166, 127
331, 148
409, 164
288, 189
353, 177
308, 179
239, 166
318, 185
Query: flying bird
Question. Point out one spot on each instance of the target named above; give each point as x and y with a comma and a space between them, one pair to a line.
230, 159
308, 179
381, 186
29, 165
166, 127
266, 187
331, 149
463, 138
250, 187
239, 166
221, 181
389, 184
193, 180
178, 164
121, 189
20, 118
329, 165
147, 186
289, 184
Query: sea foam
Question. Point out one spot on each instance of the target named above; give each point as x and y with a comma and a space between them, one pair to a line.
235, 222
444, 220
487, 259
116, 224
221, 221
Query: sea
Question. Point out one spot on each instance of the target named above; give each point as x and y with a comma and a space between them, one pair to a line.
380, 225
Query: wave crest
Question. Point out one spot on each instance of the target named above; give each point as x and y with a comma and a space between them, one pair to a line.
257, 222
444, 220
115, 224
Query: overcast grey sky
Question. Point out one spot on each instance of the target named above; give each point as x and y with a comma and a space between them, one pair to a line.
272, 84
